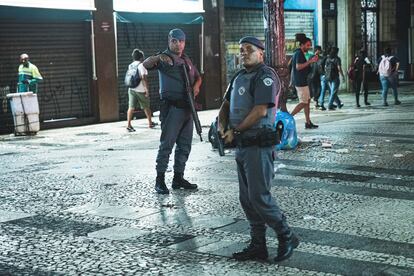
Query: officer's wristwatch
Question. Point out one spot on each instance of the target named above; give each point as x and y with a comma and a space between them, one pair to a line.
236, 131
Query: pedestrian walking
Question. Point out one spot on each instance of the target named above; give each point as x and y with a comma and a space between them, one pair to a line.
301, 69
388, 75
361, 68
139, 96
314, 78
333, 69
324, 84
28, 76
247, 116
175, 112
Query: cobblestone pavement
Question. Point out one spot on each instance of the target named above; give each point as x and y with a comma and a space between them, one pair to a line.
80, 201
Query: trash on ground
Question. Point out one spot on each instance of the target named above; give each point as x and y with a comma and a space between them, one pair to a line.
280, 166
326, 145
372, 161
342, 151
372, 145
398, 155
310, 217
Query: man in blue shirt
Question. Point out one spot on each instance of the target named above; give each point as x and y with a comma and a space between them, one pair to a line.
301, 70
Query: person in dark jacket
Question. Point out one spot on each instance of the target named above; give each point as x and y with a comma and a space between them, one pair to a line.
314, 77
361, 67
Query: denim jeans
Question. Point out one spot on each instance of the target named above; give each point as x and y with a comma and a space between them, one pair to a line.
323, 90
333, 97
386, 83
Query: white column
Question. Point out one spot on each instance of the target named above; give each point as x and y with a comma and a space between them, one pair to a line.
345, 36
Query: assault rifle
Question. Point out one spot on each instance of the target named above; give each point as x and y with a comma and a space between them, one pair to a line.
190, 95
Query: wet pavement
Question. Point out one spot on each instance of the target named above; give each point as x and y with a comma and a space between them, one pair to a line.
81, 200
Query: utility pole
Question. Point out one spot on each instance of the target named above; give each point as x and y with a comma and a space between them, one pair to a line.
274, 21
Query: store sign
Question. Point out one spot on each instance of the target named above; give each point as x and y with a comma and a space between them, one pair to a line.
88, 5
159, 6
105, 26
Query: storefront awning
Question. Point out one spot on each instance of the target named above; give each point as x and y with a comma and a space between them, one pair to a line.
160, 18
86, 5
25, 14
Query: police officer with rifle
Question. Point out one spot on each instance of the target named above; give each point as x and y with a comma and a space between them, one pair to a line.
247, 116
175, 109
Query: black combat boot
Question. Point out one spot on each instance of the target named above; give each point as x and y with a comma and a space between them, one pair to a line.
287, 242
357, 100
366, 99
256, 250
180, 182
160, 186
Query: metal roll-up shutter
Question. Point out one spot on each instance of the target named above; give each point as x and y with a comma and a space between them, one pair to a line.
150, 38
61, 51
298, 22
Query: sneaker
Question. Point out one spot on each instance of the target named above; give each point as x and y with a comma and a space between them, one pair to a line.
358, 105
367, 103
323, 108
385, 104
331, 108
340, 105
131, 129
310, 125
397, 102
153, 124
160, 186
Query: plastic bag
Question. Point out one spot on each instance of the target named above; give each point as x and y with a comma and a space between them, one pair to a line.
286, 124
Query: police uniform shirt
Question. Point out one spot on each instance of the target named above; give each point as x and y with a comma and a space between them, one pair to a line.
172, 84
244, 95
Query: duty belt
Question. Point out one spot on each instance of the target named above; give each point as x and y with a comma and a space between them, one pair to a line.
177, 103
264, 137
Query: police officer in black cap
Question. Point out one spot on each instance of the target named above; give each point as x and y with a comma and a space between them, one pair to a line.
175, 112
247, 115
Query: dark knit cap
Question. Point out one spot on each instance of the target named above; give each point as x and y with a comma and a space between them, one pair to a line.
252, 40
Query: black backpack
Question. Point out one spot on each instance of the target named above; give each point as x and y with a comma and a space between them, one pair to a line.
331, 69
132, 77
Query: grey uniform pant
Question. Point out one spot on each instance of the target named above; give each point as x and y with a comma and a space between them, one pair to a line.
255, 171
176, 128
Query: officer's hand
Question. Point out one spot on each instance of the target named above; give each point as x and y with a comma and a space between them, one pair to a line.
228, 136
166, 59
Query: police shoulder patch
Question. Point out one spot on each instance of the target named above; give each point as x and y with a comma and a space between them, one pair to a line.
268, 81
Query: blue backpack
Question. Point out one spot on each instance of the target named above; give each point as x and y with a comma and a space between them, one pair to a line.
285, 124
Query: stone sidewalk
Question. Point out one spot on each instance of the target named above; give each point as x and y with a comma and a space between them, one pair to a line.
80, 201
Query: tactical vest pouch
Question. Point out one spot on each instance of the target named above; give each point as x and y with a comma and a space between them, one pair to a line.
264, 137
